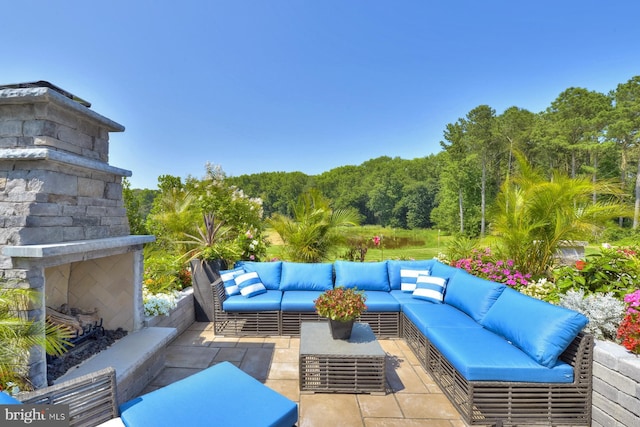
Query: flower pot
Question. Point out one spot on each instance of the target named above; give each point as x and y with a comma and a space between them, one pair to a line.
341, 330
203, 274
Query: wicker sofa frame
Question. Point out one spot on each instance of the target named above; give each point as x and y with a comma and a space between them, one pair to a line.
266, 323
512, 403
478, 402
91, 398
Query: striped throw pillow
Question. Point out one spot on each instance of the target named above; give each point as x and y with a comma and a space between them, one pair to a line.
430, 288
229, 280
250, 284
409, 277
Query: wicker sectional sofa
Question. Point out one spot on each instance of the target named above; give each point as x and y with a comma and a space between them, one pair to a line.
500, 356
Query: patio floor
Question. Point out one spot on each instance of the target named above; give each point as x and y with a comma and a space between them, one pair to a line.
413, 398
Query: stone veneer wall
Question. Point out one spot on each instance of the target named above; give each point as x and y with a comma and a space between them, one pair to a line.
55, 182
616, 386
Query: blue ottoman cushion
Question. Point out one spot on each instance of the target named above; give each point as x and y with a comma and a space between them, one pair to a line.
221, 395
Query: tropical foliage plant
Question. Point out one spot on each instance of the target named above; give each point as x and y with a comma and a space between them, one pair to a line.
313, 233
534, 215
18, 335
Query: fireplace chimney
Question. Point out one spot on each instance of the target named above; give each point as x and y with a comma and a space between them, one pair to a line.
64, 229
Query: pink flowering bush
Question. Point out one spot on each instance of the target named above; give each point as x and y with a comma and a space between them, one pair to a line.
482, 264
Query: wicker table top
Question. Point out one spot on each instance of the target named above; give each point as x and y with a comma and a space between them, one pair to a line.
315, 338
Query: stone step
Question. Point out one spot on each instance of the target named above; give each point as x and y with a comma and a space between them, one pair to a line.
137, 359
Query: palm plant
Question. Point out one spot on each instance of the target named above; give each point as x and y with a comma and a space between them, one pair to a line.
211, 241
535, 215
18, 335
314, 231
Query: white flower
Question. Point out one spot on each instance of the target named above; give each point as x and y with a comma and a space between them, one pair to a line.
159, 304
606, 246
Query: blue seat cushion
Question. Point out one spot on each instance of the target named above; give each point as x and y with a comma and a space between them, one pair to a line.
540, 329
366, 276
299, 300
268, 301
472, 294
378, 301
425, 315
394, 267
269, 272
481, 355
297, 276
402, 297
221, 395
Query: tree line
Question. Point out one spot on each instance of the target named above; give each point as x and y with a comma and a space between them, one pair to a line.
583, 133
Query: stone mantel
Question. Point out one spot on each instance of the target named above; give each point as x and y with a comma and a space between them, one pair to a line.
75, 250
44, 153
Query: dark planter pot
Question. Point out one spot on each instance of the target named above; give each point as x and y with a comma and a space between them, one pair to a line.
203, 274
341, 330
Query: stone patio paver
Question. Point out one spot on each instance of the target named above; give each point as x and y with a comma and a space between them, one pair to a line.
413, 399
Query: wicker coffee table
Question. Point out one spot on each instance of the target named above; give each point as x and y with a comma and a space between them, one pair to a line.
356, 365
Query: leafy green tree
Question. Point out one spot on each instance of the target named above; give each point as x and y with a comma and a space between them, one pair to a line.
624, 129
574, 119
314, 231
134, 212
534, 215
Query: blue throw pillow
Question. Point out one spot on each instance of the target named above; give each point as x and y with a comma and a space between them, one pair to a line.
297, 276
540, 329
430, 288
229, 280
409, 278
269, 272
366, 276
250, 284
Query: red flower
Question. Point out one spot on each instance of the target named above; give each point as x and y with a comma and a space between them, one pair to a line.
580, 264
629, 332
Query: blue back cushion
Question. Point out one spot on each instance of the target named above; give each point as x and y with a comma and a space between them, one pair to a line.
298, 276
368, 276
443, 270
394, 267
540, 329
470, 294
269, 272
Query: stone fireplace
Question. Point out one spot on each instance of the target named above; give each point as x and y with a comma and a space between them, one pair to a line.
64, 229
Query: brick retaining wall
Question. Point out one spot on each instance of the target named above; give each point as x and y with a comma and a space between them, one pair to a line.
616, 386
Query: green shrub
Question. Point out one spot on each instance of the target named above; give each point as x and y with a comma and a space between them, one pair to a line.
613, 270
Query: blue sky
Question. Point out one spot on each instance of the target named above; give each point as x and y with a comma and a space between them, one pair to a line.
293, 85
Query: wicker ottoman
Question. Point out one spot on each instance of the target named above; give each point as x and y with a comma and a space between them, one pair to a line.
356, 365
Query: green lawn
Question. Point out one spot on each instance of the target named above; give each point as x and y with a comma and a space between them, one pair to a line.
396, 243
